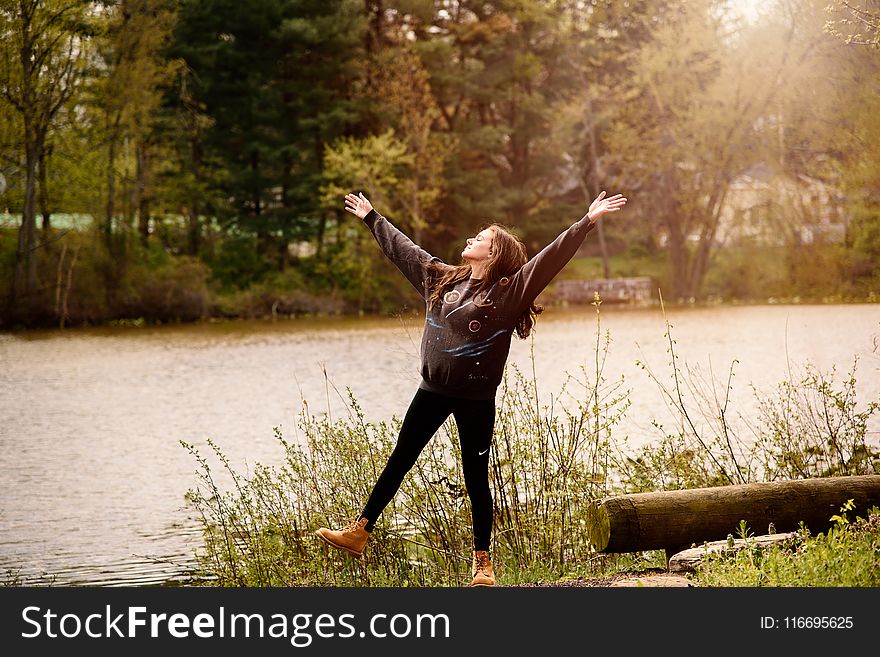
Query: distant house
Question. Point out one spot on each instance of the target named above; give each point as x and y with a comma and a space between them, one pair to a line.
768, 207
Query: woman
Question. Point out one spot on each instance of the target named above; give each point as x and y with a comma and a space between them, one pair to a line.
472, 311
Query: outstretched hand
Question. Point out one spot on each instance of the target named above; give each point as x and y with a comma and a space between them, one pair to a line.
601, 205
358, 205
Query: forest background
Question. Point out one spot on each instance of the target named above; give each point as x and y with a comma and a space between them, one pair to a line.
176, 160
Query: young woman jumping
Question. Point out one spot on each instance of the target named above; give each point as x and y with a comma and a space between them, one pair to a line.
472, 311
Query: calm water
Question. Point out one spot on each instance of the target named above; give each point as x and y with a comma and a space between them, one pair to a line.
93, 477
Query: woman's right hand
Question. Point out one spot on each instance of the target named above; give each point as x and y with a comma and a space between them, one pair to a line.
358, 205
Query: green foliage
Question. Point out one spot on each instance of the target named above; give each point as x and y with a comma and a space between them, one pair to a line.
842, 518
271, 77
813, 427
176, 291
374, 165
818, 272
281, 294
845, 555
814, 269
632, 263
236, 262
703, 449
749, 272
743, 531
862, 261
87, 285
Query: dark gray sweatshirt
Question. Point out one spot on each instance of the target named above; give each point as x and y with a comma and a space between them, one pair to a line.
465, 344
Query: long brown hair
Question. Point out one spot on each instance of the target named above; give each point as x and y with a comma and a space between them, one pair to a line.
508, 255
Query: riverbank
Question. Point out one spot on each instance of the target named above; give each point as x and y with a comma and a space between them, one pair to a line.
81, 283
272, 312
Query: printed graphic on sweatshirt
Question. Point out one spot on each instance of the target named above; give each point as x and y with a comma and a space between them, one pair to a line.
464, 305
475, 348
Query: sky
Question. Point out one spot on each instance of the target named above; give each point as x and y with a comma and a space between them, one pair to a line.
748, 9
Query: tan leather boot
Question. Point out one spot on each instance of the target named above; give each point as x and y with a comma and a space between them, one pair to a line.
351, 538
482, 569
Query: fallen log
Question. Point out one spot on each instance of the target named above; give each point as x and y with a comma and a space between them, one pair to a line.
675, 520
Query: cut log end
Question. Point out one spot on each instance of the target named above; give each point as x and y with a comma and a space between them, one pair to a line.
599, 525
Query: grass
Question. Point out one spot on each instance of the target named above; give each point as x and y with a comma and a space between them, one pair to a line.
620, 266
848, 554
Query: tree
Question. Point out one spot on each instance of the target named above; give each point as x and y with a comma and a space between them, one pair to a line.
378, 165
401, 86
127, 92
499, 72
700, 110
850, 84
275, 79
189, 176
855, 24
600, 41
43, 60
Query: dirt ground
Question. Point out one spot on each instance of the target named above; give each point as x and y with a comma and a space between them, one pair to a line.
652, 577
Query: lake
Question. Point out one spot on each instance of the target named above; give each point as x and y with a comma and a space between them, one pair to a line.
94, 477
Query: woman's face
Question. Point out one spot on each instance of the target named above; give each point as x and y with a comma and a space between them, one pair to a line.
478, 247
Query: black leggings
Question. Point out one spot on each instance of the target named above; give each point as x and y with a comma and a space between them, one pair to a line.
475, 419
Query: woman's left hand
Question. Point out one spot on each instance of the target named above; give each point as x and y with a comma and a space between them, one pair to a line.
601, 205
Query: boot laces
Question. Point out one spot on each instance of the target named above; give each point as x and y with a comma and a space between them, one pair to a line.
351, 527
482, 562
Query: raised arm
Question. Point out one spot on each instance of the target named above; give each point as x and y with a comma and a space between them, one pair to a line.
536, 274
410, 258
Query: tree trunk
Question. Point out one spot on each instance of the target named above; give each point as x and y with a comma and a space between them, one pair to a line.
143, 198
375, 36
115, 269
264, 236
603, 249
706, 245
44, 198
676, 519
40, 54
21, 251
678, 261
193, 230
29, 220
110, 209
677, 230
194, 227
322, 230
700, 264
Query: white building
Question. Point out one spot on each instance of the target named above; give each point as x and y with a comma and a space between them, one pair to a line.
772, 208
